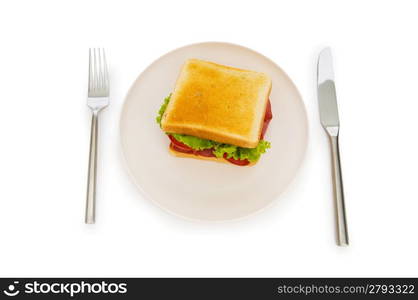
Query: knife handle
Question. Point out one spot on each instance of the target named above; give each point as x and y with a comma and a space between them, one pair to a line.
342, 231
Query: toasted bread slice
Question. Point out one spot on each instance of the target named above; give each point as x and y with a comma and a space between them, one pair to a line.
187, 155
218, 103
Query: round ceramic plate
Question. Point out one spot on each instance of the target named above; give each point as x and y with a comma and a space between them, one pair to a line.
204, 190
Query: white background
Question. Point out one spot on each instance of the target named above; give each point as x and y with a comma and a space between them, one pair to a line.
45, 127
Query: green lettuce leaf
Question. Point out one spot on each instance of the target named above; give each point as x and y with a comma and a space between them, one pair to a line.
219, 149
162, 109
194, 142
241, 153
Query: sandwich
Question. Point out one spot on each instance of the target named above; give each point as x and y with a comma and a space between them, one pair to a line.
217, 113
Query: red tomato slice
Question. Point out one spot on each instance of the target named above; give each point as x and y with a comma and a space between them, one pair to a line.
179, 144
180, 149
238, 162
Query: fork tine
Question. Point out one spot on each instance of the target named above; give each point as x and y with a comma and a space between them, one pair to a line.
100, 69
97, 79
95, 71
102, 81
106, 74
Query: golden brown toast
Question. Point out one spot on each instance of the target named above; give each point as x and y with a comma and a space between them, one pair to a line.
187, 155
218, 103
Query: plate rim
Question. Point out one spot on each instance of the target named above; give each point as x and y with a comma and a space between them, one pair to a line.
197, 220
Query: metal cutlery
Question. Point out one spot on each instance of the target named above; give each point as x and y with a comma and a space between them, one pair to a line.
98, 98
328, 112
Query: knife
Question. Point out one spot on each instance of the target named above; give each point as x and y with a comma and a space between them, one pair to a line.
328, 113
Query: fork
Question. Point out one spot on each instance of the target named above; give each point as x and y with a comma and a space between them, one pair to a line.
97, 99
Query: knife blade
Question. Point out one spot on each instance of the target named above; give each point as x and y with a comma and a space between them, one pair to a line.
328, 113
327, 98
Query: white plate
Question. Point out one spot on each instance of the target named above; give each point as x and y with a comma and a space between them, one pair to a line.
203, 190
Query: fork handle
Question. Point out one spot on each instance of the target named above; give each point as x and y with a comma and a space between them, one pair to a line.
342, 231
91, 179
